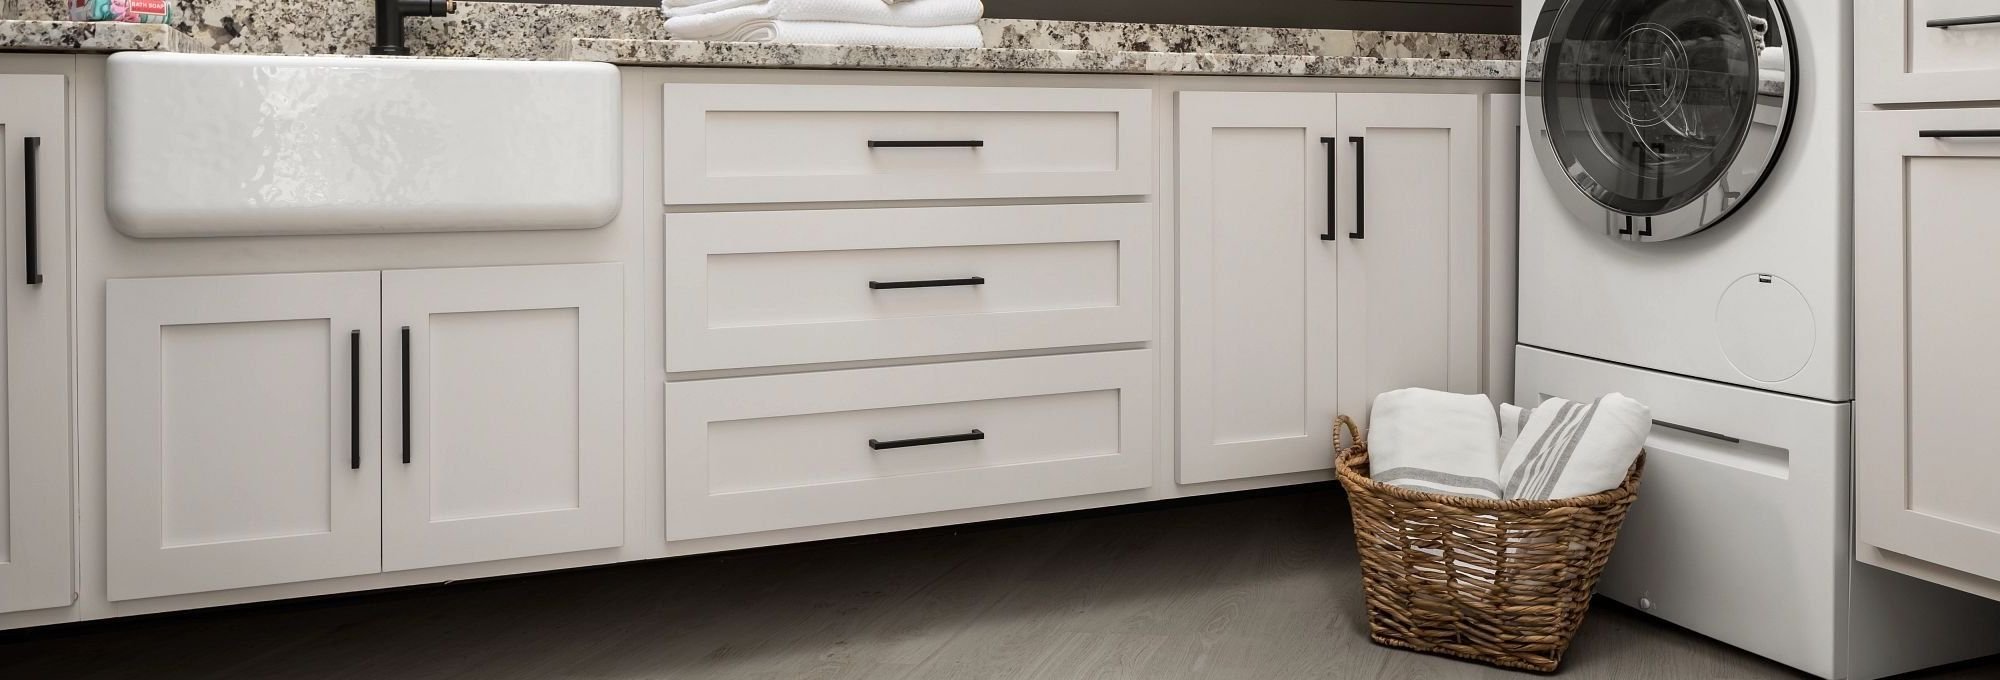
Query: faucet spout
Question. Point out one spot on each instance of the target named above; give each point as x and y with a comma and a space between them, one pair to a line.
389, 15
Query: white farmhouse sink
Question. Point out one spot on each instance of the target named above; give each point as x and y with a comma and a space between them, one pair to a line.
234, 145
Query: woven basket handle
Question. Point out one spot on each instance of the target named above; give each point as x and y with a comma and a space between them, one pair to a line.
1353, 431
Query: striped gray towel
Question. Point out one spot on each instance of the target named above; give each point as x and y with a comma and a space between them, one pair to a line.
1570, 449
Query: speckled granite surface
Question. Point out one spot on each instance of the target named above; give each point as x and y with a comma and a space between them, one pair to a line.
71, 36
637, 36
1116, 37
763, 55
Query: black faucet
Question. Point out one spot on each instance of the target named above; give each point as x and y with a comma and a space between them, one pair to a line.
389, 16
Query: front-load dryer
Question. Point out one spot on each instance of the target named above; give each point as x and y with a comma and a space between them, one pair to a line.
1685, 239
1684, 206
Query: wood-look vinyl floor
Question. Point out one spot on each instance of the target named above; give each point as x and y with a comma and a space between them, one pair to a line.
1252, 588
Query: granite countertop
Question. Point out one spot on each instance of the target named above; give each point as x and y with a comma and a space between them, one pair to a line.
637, 36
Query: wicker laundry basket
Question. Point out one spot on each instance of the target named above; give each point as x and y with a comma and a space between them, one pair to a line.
1505, 583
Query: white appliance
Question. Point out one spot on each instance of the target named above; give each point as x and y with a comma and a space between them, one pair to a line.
1685, 239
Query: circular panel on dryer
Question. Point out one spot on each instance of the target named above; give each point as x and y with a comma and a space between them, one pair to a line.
1658, 118
1766, 328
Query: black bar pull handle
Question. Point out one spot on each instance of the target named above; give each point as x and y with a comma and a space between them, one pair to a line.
354, 400
1963, 21
972, 436
1332, 188
406, 395
31, 151
1360, 188
1943, 134
932, 283
925, 143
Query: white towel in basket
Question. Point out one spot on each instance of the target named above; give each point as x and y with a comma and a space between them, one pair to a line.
1570, 449
1435, 441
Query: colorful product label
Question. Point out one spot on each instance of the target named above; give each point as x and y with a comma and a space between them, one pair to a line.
131, 11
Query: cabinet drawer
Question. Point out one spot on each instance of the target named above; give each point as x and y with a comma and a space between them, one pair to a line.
795, 287
763, 453
1902, 58
790, 143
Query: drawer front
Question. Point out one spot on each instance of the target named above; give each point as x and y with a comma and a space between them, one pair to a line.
795, 287
1902, 57
791, 143
776, 452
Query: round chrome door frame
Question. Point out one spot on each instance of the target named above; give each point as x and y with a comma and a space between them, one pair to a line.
1711, 205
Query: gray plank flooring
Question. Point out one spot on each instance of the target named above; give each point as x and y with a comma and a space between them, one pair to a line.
1249, 588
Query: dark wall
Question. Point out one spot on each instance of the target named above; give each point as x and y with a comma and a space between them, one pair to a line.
1456, 16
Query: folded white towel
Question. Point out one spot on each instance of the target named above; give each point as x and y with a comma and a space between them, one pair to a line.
1435, 441
679, 8
838, 33
1571, 449
707, 25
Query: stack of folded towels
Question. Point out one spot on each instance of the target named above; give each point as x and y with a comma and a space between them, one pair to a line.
1456, 444
894, 23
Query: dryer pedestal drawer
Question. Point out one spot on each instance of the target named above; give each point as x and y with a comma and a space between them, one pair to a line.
796, 287
776, 452
789, 143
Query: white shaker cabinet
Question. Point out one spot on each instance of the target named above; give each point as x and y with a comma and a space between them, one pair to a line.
36, 515
1258, 285
1329, 250
256, 429
512, 441
1927, 308
1926, 51
1411, 271
242, 431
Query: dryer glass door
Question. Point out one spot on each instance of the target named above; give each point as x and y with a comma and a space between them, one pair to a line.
1650, 107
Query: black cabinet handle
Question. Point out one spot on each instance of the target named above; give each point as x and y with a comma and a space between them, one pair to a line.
1332, 188
1963, 21
354, 400
31, 150
925, 144
406, 395
932, 283
1360, 188
972, 436
1942, 134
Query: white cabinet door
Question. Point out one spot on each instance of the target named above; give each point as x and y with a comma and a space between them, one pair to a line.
1922, 51
511, 440
36, 511
1410, 252
241, 434
1927, 307
1258, 345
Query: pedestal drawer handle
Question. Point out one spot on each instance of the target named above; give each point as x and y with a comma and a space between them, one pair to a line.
972, 436
1964, 21
1946, 134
